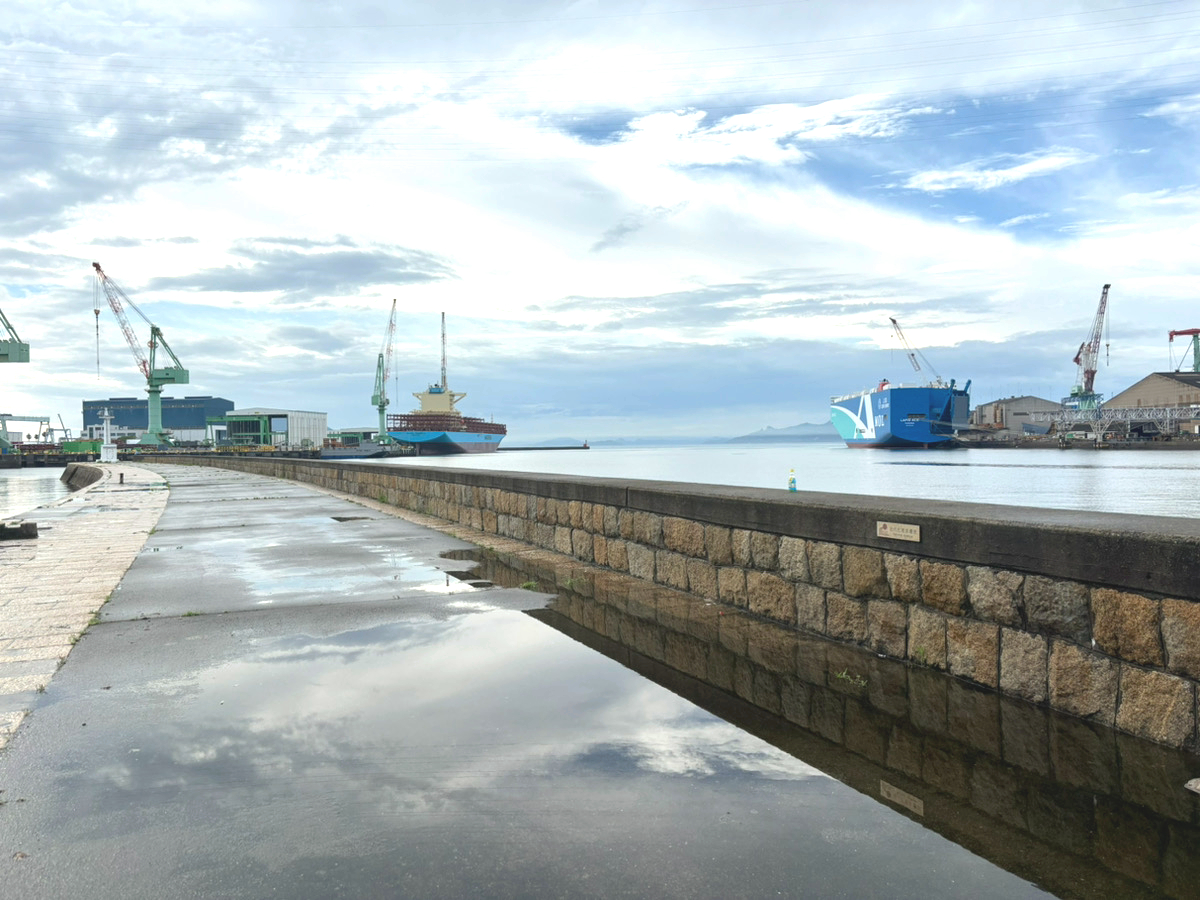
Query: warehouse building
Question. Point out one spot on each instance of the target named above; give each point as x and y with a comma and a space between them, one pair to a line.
1165, 391
290, 429
1012, 416
1175, 389
186, 417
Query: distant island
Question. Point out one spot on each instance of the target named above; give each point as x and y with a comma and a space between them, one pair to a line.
802, 433
793, 433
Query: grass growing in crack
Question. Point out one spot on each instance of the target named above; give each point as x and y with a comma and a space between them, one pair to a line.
529, 586
855, 679
190, 613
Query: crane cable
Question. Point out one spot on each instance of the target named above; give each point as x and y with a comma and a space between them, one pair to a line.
96, 310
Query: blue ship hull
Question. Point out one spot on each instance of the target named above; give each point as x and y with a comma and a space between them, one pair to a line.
902, 416
444, 443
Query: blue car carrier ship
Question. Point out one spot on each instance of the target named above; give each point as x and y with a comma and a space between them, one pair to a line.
903, 415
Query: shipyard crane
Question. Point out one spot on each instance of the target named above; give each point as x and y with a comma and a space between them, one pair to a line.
382, 369
1194, 333
912, 353
1082, 395
155, 376
12, 348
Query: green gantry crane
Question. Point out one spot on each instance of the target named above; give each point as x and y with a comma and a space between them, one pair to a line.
383, 368
155, 377
12, 348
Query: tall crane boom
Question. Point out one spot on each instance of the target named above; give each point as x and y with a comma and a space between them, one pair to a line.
383, 368
1089, 351
912, 352
115, 295
156, 376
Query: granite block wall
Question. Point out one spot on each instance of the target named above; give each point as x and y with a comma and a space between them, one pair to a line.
1090, 614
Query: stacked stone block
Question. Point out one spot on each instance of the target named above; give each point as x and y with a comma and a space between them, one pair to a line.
1126, 659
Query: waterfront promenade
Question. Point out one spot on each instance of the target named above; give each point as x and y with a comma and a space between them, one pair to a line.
52, 586
294, 692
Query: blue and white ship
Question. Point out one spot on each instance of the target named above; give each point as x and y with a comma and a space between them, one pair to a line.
902, 415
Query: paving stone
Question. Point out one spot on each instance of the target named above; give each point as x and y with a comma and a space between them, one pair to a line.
54, 585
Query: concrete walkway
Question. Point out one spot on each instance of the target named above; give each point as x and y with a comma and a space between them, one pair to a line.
51, 587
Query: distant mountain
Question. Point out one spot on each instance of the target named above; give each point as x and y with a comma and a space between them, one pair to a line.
552, 442
792, 434
653, 442
802, 432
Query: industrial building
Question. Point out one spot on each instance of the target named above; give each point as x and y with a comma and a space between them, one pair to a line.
292, 429
186, 418
1010, 416
1176, 389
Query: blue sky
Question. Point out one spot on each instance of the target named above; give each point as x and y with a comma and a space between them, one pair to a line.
672, 218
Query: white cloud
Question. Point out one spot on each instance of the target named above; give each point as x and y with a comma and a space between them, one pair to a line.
1185, 111
1021, 220
998, 171
595, 193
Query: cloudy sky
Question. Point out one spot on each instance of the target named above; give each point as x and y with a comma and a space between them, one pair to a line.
672, 217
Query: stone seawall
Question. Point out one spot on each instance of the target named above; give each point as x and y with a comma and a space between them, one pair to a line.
1095, 615
80, 475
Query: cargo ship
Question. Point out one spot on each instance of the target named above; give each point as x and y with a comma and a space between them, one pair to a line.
903, 415
437, 428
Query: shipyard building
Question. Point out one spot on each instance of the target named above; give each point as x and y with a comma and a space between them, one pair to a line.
291, 429
1013, 416
185, 417
1167, 389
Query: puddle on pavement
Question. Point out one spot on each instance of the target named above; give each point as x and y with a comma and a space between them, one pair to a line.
1075, 808
483, 755
623, 740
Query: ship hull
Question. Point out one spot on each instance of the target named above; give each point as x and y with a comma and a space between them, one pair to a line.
365, 450
923, 417
446, 443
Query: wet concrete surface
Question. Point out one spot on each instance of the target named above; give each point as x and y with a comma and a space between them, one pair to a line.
285, 699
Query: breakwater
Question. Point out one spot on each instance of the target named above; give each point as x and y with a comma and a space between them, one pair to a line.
1094, 615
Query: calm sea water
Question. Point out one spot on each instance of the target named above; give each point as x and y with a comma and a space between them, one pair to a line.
1160, 483
24, 489
1146, 482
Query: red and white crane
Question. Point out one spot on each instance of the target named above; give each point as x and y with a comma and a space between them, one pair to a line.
155, 377
1082, 395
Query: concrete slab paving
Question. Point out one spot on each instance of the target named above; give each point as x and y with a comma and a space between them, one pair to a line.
52, 586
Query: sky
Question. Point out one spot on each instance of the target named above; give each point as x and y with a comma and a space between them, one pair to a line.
681, 218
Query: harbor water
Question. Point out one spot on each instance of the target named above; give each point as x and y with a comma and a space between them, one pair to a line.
24, 489
1120, 481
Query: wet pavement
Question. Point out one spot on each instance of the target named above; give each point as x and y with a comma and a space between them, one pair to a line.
296, 695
